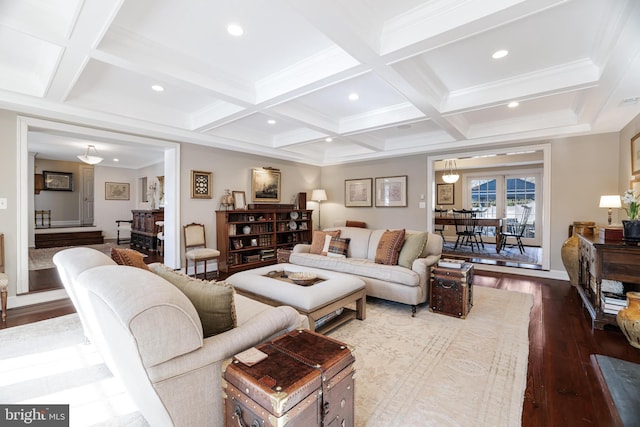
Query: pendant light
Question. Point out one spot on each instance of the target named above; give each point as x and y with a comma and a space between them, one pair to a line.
92, 160
450, 172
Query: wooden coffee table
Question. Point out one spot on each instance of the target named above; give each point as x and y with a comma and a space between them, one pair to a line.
333, 292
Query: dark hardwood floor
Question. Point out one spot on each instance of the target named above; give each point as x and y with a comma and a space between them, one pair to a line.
562, 386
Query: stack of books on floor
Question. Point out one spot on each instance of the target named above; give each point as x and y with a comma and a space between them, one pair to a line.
612, 302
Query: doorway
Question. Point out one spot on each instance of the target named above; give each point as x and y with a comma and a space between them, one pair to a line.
25, 181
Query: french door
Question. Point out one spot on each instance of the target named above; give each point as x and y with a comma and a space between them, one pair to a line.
504, 194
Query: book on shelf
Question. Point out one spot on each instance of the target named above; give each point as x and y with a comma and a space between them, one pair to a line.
613, 298
612, 309
450, 263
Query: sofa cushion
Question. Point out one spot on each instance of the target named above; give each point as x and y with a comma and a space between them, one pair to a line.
360, 267
359, 244
412, 248
318, 239
214, 301
389, 247
338, 247
128, 257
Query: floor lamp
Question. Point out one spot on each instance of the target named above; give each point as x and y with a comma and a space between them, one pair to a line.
319, 195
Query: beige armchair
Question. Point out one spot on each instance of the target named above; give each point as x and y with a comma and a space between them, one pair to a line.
151, 338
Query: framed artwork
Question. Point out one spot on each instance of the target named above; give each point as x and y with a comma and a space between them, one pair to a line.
634, 185
201, 183
357, 192
265, 185
57, 181
391, 191
239, 200
444, 194
635, 155
117, 191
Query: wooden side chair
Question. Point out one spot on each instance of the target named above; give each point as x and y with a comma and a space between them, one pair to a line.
123, 225
517, 229
4, 280
195, 248
466, 223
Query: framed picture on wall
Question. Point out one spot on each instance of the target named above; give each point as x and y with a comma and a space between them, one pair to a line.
117, 191
391, 191
444, 194
635, 155
57, 181
201, 183
265, 185
239, 200
357, 192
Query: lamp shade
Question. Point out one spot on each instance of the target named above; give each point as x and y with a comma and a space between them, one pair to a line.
610, 201
318, 195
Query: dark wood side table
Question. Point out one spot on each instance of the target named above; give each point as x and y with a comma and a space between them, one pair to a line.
451, 290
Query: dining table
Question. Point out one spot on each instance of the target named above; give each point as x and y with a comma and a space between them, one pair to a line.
496, 223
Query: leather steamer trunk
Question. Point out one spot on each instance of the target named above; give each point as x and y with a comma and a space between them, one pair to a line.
452, 290
306, 380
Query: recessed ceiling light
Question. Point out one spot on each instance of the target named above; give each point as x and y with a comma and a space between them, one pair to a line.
235, 30
271, 122
157, 88
500, 54
630, 101
354, 96
513, 104
329, 139
116, 160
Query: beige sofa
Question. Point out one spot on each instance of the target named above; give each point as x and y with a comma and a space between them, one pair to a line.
151, 337
391, 282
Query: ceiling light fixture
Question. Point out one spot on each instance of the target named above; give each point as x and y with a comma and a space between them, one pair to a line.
271, 122
450, 174
235, 30
513, 104
329, 139
354, 96
157, 88
498, 54
91, 160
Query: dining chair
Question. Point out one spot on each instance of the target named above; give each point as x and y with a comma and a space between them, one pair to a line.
516, 230
465, 222
195, 248
440, 228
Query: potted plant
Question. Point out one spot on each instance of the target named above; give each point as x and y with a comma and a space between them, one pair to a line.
631, 227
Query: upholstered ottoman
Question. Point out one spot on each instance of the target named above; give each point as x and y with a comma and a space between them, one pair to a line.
328, 297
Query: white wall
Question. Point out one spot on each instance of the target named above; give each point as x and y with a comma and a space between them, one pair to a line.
106, 212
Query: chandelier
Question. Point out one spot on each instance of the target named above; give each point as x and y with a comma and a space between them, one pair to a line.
450, 174
92, 160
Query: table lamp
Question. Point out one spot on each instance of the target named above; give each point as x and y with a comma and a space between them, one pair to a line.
319, 195
610, 202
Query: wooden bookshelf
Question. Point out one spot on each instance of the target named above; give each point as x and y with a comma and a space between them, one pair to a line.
251, 238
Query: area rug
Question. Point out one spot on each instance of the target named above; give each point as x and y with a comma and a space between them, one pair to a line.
430, 370
40, 259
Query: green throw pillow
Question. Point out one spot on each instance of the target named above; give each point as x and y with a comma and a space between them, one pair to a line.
412, 248
212, 300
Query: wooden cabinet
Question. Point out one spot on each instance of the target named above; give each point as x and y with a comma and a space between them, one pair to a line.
144, 231
598, 260
251, 238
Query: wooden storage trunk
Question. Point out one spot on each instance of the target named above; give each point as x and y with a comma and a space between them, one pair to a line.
452, 290
306, 380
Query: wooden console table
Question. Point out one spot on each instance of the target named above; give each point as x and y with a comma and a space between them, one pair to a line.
144, 230
598, 260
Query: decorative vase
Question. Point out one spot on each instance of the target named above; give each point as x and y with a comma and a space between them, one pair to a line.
246, 229
569, 251
631, 230
629, 319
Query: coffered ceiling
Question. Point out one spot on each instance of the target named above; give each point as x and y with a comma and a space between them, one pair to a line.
423, 71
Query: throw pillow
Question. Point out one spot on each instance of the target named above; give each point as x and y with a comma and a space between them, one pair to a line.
317, 241
412, 248
338, 247
128, 257
359, 224
389, 247
214, 301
